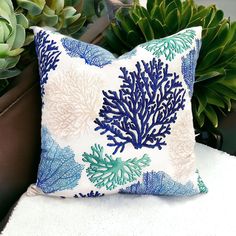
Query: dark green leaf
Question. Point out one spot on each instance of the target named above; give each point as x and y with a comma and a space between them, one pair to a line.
211, 115
219, 16
186, 16
214, 98
146, 29
159, 30
209, 74
224, 90
202, 101
172, 21
212, 57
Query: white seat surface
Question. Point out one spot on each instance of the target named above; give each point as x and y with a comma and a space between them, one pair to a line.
209, 214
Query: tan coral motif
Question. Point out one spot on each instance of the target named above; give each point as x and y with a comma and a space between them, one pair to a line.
181, 147
72, 102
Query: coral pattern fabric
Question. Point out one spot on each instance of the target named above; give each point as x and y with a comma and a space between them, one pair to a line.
117, 125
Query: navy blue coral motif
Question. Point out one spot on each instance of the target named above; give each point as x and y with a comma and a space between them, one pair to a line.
91, 194
48, 56
142, 111
92, 54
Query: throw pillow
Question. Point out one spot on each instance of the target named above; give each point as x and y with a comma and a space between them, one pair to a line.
117, 125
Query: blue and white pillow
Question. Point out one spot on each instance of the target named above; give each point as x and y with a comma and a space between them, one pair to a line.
117, 125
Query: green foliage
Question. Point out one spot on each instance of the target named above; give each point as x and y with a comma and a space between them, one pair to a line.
12, 39
16, 40
70, 17
215, 85
104, 171
60, 14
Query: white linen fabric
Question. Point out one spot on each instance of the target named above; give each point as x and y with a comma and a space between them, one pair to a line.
211, 214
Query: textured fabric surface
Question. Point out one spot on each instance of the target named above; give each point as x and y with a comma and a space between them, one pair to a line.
122, 124
211, 214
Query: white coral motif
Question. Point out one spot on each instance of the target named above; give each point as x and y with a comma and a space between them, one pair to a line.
181, 147
71, 102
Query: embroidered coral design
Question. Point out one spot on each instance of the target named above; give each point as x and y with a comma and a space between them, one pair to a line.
105, 171
92, 54
160, 183
58, 169
90, 194
129, 55
142, 111
189, 64
48, 56
202, 187
181, 147
171, 46
73, 101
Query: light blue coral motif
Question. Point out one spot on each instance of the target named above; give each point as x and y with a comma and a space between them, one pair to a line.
92, 54
172, 45
142, 111
105, 171
129, 55
189, 64
58, 169
160, 183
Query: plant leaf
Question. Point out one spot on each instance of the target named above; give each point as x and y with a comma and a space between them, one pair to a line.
211, 115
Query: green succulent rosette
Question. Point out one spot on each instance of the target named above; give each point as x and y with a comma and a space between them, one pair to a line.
12, 39
16, 16
60, 14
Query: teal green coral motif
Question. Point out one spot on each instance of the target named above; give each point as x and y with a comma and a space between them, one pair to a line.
171, 46
202, 187
104, 171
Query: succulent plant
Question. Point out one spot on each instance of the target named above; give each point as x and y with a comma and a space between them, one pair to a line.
16, 16
12, 39
215, 85
60, 14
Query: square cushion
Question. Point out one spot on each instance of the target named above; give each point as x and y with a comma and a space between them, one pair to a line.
117, 125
